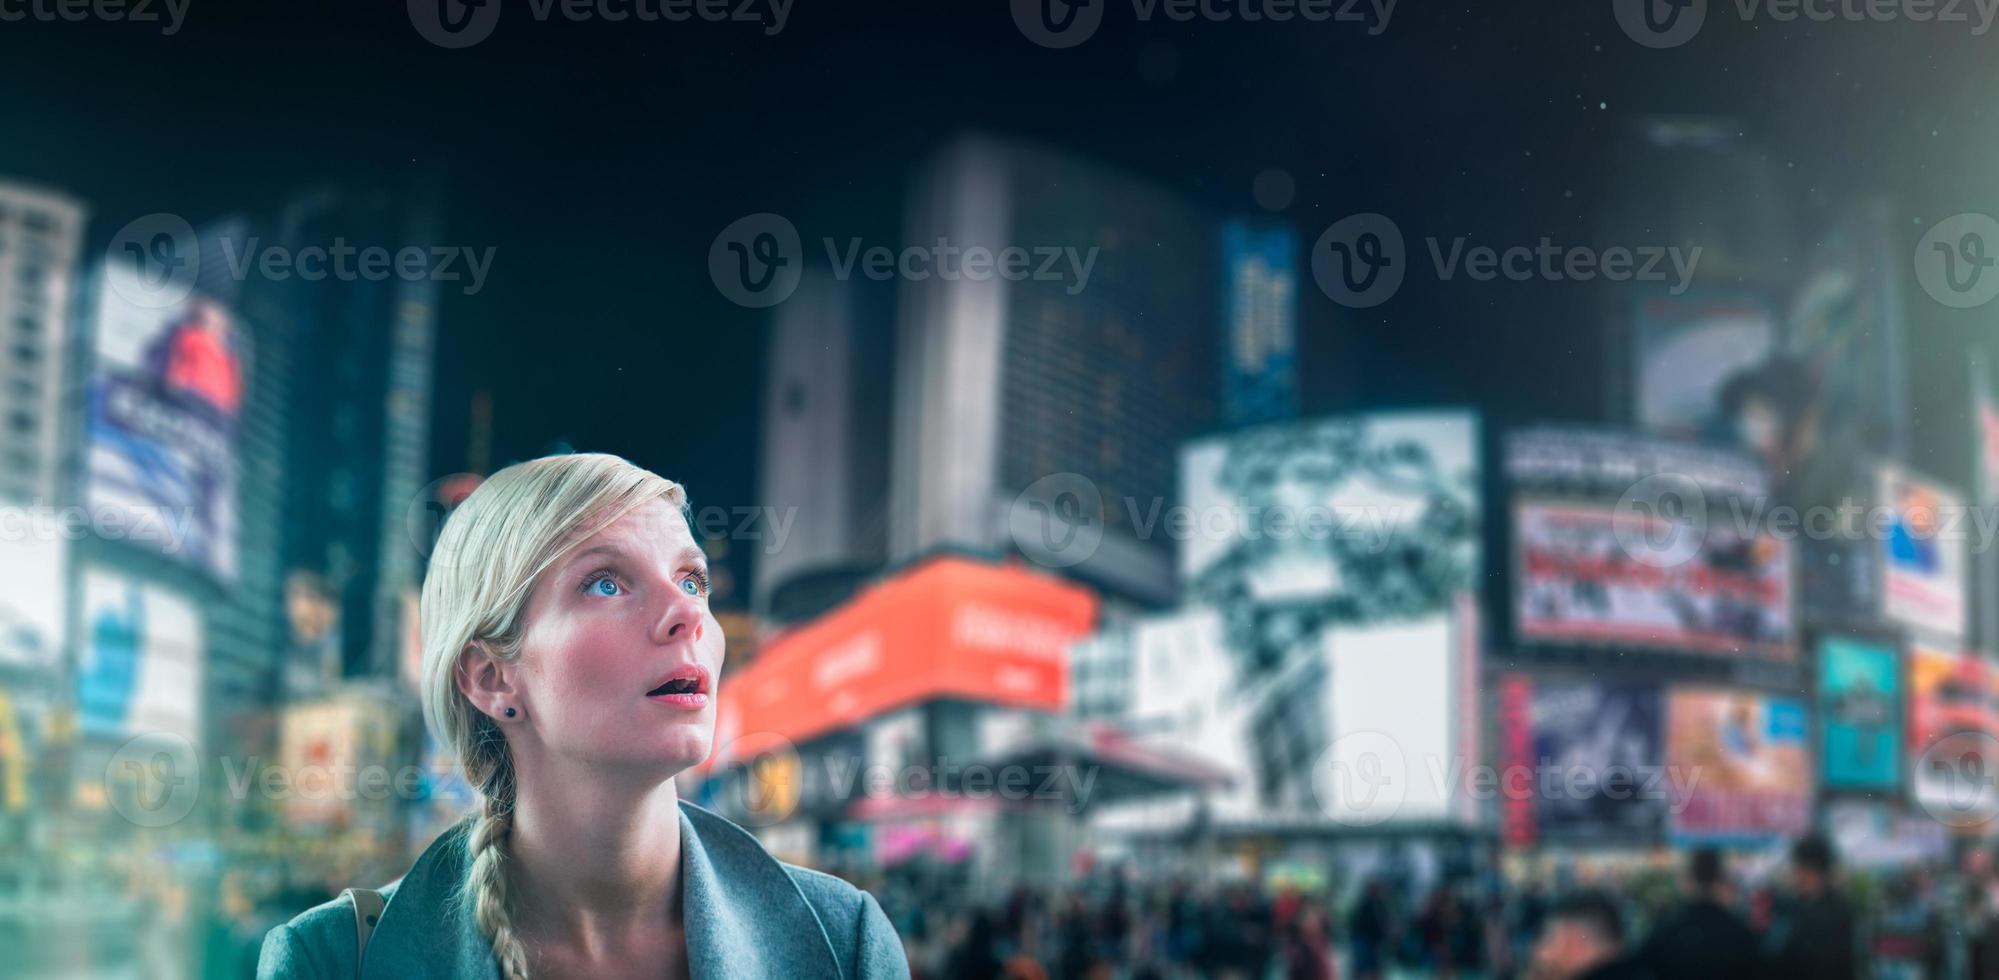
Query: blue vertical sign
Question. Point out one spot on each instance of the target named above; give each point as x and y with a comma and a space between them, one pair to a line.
1259, 324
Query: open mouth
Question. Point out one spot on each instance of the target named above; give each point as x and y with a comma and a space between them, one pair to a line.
686, 687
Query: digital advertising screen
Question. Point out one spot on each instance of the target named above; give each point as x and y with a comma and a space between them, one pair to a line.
1689, 349
140, 659
33, 600
1860, 704
165, 396
1596, 754
1739, 763
1953, 705
1923, 554
1623, 542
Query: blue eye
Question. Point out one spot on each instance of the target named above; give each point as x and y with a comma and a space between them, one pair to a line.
690, 586
695, 584
602, 585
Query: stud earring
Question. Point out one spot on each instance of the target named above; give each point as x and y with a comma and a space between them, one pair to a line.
510, 712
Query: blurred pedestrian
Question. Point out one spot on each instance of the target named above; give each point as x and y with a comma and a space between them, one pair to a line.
1584, 940
1702, 936
1308, 951
1368, 930
1811, 933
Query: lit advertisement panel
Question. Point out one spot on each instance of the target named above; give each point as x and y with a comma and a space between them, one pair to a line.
1623, 542
1924, 560
1577, 582
1739, 765
32, 599
951, 627
1336, 555
1689, 348
1950, 694
164, 398
141, 660
1860, 707
1611, 738
1259, 323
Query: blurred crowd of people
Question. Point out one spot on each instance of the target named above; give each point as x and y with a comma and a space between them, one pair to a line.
1810, 921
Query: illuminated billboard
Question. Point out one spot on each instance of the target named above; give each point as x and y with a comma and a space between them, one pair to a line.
141, 660
1627, 543
165, 394
1860, 706
1689, 349
1950, 694
1577, 582
32, 600
1259, 324
1923, 554
950, 627
1741, 764
1591, 754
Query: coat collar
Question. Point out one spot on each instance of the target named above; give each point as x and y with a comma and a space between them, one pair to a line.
743, 913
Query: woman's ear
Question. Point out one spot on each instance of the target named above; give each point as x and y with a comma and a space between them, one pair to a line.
487, 682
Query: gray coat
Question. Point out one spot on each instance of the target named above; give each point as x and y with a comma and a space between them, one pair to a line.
745, 914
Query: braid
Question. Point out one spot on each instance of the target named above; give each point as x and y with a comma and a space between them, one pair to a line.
487, 880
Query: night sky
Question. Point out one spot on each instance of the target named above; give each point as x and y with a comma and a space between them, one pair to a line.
601, 159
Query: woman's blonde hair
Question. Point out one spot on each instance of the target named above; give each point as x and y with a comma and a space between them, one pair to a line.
493, 549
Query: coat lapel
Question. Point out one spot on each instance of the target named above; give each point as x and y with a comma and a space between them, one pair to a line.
425, 931
742, 913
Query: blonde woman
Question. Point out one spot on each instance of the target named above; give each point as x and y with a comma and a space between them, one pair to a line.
570, 661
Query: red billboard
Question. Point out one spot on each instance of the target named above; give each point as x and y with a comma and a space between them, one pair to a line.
951, 627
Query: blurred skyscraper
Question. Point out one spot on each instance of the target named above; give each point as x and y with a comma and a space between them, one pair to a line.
357, 382
825, 446
1003, 381
40, 234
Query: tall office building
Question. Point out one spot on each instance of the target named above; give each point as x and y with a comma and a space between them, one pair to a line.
1095, 358
825, 450
355, 443
40, 232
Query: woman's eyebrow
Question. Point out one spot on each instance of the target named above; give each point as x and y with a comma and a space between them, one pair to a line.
609, 550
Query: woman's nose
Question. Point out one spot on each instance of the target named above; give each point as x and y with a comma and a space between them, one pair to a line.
680, 621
